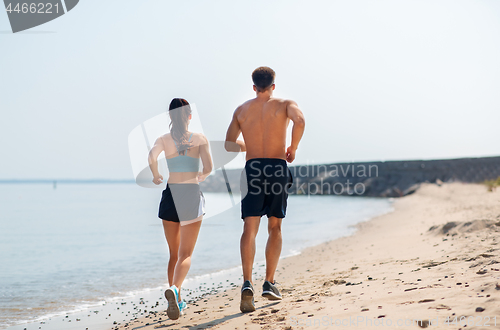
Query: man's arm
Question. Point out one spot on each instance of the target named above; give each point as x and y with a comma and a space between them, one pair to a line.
153, 160
233, 132
299, 123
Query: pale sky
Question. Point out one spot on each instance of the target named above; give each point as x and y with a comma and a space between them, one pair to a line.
376, 80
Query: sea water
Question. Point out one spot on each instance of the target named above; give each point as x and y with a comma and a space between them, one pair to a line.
71, 256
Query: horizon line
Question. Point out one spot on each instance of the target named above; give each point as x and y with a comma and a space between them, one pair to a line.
75, 180
102, 180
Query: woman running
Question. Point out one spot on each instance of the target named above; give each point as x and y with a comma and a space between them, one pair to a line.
182, 203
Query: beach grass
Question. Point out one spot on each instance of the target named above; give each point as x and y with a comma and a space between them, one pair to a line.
492, 184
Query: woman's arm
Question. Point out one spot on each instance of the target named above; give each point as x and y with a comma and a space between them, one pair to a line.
205, 159
153, 161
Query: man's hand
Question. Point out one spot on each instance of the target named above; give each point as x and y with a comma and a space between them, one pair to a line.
158, 179
290, 154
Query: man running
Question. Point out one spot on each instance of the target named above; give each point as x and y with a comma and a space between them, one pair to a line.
263, 121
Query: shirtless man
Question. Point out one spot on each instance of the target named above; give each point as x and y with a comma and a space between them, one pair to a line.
263, 121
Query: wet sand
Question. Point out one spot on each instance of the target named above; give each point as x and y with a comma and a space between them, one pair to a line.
434, 262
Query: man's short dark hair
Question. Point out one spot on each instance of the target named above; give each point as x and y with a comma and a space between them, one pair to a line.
263, 78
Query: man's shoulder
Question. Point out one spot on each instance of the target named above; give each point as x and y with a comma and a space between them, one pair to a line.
245, 104
289, 102
242, 107
285, 102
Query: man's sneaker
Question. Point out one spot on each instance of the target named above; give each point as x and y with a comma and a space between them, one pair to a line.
173, 310
247, 303
270, 291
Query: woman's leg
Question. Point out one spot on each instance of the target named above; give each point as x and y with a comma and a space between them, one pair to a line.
188, 237
172, 234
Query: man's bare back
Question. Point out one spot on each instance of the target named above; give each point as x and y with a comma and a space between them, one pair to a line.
263, 121
263, 125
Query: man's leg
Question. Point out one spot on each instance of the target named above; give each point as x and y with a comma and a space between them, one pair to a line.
247, 246
273, 247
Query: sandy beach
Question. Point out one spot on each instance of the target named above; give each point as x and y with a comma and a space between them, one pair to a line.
434, 262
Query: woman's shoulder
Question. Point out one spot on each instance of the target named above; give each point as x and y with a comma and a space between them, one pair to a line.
199, 136
166, 136
164, 139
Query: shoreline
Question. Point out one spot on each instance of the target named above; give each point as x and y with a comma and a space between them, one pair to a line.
399, 268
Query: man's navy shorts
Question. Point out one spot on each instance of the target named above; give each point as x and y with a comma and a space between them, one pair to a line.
264, 187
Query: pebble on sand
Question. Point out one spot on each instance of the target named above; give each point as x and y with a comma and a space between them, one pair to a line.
423, 323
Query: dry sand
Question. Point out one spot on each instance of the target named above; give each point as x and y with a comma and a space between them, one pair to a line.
393, 271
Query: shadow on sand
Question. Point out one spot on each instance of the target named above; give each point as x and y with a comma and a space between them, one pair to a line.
207, 325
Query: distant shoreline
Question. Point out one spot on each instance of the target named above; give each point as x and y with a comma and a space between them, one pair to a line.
395, 178
65, 181
374, 179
